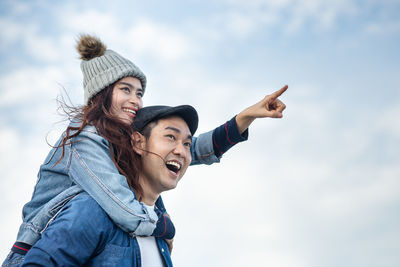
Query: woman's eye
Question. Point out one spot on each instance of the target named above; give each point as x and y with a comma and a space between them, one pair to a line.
126, 89
139, 94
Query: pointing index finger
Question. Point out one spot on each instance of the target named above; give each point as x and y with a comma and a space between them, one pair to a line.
276, 94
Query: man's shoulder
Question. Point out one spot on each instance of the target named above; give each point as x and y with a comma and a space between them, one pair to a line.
85, 209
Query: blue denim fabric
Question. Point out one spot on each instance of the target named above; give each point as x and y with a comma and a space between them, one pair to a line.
202, 149
13, 259
87, 166
83, 234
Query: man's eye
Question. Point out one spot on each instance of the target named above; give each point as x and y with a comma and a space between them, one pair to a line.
170, 136
187, 144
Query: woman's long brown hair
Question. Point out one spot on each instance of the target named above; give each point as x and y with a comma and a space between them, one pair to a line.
118, 135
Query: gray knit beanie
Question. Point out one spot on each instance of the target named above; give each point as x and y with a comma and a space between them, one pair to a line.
102, 67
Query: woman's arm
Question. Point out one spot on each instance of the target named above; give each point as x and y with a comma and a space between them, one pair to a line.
91, 167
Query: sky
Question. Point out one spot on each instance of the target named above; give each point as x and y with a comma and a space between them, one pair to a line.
319, 187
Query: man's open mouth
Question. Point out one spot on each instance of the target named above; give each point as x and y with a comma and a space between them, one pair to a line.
173, 166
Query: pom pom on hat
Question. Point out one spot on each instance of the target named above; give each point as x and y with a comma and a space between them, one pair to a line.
90, 47
102, 67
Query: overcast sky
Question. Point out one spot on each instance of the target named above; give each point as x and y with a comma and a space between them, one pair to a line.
320, 187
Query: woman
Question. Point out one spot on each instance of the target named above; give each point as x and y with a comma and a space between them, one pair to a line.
91, 156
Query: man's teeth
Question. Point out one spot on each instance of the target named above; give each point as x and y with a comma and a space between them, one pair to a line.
175, 164
129, 110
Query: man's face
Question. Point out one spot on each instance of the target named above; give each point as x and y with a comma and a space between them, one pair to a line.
170, 139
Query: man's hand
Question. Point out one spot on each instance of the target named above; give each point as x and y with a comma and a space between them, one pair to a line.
269, 107
274, 107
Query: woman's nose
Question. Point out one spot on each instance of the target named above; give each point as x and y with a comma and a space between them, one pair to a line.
134, 100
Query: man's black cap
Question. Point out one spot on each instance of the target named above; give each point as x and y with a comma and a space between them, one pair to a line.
153, 113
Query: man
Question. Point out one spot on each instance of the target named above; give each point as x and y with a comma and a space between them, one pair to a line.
83, 234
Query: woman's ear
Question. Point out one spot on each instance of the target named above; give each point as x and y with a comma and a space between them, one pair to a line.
138, 143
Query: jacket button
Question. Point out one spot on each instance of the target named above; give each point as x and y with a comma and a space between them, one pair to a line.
162, 250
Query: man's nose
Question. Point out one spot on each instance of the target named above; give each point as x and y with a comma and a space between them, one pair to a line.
181, 150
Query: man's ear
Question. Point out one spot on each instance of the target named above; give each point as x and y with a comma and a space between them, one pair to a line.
138, 143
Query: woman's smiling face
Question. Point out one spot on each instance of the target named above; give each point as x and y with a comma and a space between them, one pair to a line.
127, 99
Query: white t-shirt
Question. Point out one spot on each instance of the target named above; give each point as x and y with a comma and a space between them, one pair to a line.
149, 252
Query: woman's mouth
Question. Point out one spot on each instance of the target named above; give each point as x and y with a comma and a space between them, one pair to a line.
131, 112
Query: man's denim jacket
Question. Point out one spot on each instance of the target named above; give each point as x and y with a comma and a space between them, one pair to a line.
87, 166
83, 235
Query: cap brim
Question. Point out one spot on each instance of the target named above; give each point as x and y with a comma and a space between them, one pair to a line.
152, 113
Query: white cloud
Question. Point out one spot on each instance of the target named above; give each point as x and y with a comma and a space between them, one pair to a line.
293, 15
240, 24
20, 158
89, 21
11, 31
142, 37
8, 141
387, 121
317, 14
30, 40
44, 48
159, 41
379, 27
18, 8
29, 85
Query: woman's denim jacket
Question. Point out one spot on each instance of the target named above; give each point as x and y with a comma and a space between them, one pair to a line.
87, 166
83, 235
